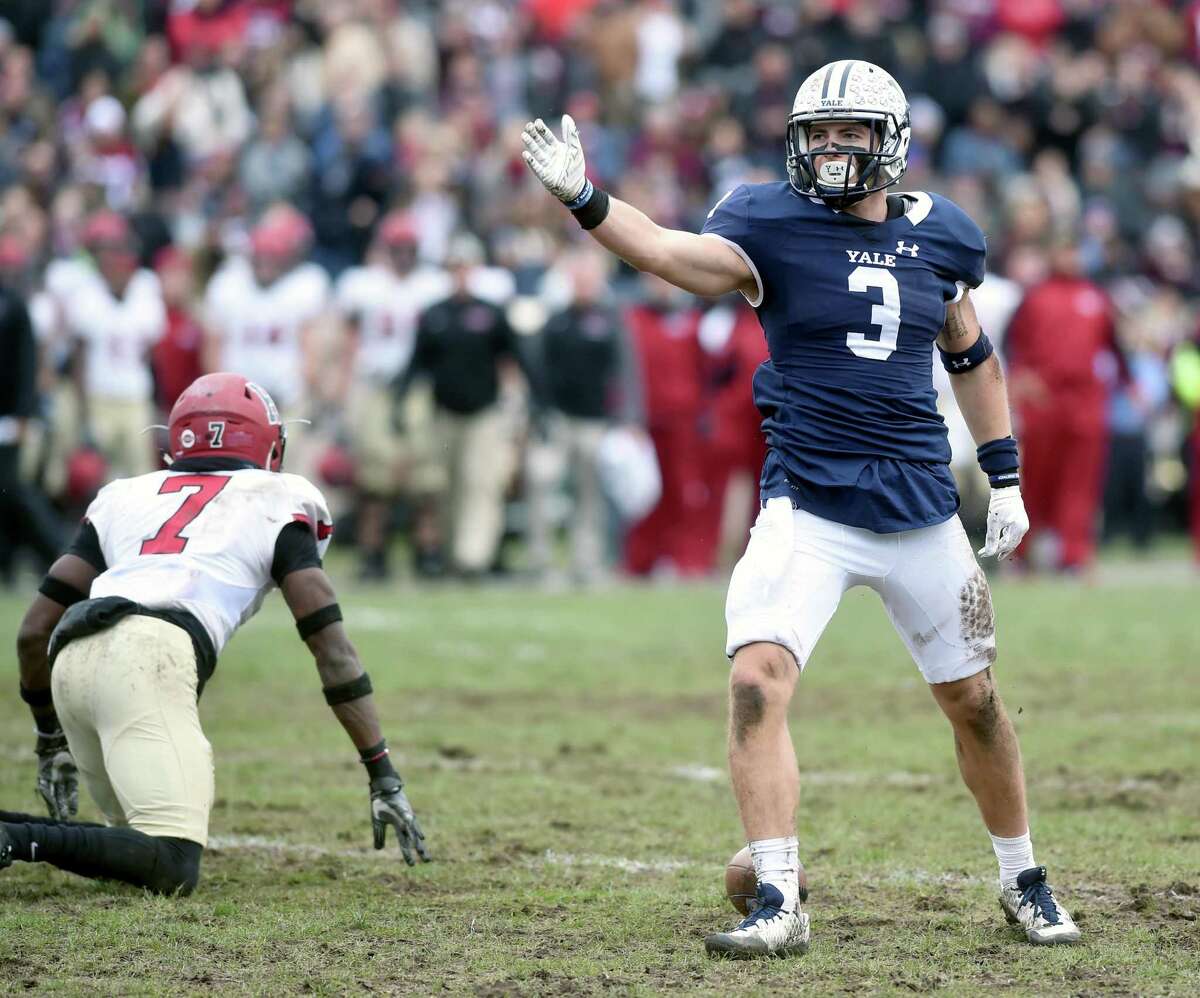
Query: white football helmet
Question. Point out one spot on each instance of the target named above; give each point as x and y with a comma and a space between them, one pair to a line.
849, 90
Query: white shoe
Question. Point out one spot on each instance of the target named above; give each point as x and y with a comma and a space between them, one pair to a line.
766, 931
1030, 903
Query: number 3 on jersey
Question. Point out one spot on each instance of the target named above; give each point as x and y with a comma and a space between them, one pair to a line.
885, 316
167, 540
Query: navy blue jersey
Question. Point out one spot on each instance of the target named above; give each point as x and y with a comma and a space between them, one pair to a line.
851, 309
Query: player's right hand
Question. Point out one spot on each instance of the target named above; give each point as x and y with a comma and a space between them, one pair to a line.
58, 777
390, 806
558, 165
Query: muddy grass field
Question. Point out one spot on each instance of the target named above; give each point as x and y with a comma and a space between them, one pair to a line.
566, 754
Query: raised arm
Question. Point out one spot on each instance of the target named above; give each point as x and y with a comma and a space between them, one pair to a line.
978, 383
702, 265
310, 596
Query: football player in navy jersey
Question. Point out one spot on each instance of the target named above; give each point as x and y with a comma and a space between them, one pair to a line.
853, 287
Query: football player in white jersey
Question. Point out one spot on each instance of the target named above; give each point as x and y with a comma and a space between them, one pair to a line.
164, 569
114, 322
379, 305
261, 311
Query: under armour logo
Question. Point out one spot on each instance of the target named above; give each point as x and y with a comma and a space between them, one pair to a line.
903, 247
958, 363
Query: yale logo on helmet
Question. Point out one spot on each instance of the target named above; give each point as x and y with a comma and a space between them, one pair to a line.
187, 438
267, 401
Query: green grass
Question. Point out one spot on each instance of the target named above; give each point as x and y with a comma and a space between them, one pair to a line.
566, 754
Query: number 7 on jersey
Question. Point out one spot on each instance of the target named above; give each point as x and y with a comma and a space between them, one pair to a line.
167, 540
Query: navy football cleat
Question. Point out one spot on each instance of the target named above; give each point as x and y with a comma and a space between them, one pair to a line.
1030, 903
766, 931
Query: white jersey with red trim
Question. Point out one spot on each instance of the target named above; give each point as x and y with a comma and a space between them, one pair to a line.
118, 334
262, 328
386, 307
201, 541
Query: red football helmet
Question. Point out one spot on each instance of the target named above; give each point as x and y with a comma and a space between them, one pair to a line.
396, 228
225, 415
283, 233
87, 471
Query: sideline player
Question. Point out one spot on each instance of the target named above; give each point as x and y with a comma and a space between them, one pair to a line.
164, 569
853, 287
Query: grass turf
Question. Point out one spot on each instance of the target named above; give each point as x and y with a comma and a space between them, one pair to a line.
566, 755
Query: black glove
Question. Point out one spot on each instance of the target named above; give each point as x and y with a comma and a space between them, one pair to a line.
389, 806
58, 779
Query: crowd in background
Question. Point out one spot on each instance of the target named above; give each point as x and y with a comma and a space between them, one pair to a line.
329, 197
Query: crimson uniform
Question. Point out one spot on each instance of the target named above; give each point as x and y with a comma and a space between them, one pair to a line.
668, 351
1060, 342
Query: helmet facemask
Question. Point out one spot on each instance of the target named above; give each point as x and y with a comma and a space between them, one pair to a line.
849, 173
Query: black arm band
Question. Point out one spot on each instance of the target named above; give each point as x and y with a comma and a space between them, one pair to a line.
969, 359
36, 698
63, 593
309, 625
345, 692
1000, 461
591, 207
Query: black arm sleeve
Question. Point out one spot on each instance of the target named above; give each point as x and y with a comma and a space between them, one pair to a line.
295, 548
86, 545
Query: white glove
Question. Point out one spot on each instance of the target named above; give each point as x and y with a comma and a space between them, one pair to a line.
1007, 522
558, 165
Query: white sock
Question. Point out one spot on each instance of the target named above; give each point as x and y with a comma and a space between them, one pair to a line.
777, 862
1015, 856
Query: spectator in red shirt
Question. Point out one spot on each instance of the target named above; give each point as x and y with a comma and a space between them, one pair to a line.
1063, 360
176, 357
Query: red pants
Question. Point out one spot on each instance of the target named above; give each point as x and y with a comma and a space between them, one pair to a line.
1063, 459
1195, 510
675, 532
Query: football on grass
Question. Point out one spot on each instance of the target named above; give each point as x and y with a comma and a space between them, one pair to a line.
741, 885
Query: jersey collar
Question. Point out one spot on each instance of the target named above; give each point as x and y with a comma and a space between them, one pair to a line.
212, 464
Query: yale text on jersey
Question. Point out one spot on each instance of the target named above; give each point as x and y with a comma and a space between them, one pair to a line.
873, 257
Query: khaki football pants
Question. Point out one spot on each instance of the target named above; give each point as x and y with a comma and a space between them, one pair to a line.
119, 426
126, 698
480, 459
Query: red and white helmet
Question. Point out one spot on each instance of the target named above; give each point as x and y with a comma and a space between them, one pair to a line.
226, 415
283, 233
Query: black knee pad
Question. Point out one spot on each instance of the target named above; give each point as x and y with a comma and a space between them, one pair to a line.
177, 870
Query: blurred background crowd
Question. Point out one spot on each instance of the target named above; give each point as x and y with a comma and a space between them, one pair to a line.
329, 198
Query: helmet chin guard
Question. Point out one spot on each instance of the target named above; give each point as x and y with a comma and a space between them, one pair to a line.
848, 91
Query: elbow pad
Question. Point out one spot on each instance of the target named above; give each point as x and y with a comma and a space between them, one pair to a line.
969, 359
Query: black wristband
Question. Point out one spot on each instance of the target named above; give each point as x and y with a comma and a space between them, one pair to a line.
376, 761
313, 622
345, 692
37, 698
594, 209
1000, 461
63, 593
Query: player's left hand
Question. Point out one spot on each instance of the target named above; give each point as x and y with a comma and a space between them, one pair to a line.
1007, 522
389, 806
58, 777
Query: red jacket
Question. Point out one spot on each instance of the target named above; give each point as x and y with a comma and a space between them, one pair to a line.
1063, 332
670, 362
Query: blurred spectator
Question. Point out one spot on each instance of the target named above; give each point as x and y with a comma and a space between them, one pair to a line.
27, 521
461, 344
115, 318
1063, 363
734, 347
108, 159
275, 165
177, 359
672, 539
588, 381
380, 305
